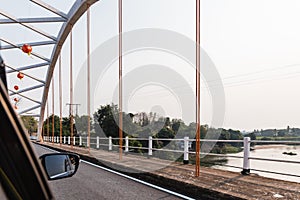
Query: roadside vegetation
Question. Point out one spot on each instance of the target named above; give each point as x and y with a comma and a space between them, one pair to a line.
104, 123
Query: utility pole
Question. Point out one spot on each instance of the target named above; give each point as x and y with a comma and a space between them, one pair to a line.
70, 109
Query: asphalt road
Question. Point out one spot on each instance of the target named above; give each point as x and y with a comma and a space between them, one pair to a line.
93, 183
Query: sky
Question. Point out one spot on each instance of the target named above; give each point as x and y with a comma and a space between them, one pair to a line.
253, 45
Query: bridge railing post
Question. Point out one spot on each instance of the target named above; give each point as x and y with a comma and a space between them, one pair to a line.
186, 150
69, 140
246, 162
109, 143
97, 142
74, 140
80, 141
150, 143
87, 141
126, 144
64, 139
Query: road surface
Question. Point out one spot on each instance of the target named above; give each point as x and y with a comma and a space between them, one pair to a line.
93, 183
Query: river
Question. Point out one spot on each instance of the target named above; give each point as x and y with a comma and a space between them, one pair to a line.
271, 152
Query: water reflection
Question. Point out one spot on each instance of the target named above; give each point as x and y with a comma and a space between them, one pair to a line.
271, 152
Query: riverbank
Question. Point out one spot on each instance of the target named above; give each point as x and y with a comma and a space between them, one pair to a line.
211, 184
269, 146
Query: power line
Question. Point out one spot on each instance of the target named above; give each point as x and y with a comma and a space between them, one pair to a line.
70, 109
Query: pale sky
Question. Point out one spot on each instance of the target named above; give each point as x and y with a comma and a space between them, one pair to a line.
254, 45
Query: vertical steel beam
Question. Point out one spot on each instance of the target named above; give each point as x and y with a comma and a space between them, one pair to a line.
120, 82
47, 119
52, 106
88, 77
60, 101
197, 170
71, 86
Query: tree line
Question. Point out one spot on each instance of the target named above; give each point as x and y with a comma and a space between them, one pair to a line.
143, 125
104, 123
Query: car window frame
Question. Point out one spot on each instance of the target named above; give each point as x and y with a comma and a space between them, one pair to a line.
21, 174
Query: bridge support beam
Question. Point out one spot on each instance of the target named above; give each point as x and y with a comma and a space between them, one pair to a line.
246, 162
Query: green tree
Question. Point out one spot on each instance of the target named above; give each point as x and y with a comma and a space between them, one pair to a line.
106, 117
30, 124
165, 133
251, 135
141, 118
81, 123
56, 126
203, 131
65, 126
176, 123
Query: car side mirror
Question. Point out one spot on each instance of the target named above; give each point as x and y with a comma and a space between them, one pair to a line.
60, 165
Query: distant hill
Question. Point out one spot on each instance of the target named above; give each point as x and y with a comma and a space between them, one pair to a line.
291, 132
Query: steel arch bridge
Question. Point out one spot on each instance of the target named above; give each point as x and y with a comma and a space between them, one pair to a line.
65, 22
68, 20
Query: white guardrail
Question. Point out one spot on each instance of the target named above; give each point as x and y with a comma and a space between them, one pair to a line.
184, 148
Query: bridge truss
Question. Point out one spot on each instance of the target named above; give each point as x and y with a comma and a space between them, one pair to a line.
65, 22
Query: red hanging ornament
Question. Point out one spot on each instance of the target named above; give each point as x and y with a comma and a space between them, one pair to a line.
16, 99
16, 87
26, 48
16, 107
20, 75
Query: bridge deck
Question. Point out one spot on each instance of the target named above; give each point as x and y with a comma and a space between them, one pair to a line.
212, 183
